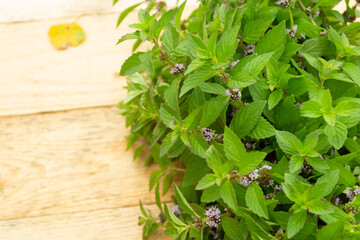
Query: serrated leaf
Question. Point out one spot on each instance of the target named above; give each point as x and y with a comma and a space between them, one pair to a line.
126, 12
296, 223
288, 142
330, 179
207, 181
212, 110
295, 163
273, 41
336, 134
255, 200
256, 65
263, 129
211, 194
132, 65
274, 98
232, 228
195, 79
246, 118
227, 193
184, 205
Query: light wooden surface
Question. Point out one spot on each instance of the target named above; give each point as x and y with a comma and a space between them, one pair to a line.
64, 174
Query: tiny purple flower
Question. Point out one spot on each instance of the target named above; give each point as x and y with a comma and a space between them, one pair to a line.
179, 68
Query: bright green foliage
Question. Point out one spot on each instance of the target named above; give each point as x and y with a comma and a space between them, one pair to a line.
261, 117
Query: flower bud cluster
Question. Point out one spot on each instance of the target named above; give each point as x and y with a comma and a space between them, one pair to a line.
351, 208
234, 94
250, 49
179, 68
292, 32
233, 64
260, 175
306, 168
286, 3
208, 134
176, 210
213, 217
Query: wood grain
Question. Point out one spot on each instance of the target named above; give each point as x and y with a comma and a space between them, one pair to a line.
106, 224
68, 162
25, 10
37, 78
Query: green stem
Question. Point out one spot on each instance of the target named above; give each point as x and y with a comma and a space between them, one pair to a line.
302, 5
163, 54
291, 19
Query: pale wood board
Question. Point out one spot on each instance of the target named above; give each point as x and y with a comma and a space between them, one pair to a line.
107, 224
26, 10
70, 170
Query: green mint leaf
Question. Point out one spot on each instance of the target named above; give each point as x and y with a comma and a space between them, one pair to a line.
246, 118
255, 29
184, 205
274, 98
255, 200
332, 231
241, 80
263, 129
207, 181
273, 41
132, 65
196, 168
227, 193
318, 164
212, 110
234, 148
155, 177
319, 207
167, 143
336, 134
296, 223
198, 144
352, 71
126, 12
296, 162
170, 39
211, 194
227, 45
288, 142
172, 218
195, 79
330, 179
256, 65
232, 228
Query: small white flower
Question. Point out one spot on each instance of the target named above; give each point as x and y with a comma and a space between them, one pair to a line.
233, 64
179, 68
265, 166
213, 215
350, 194
302, 35
356, 190
250, 50
176, 210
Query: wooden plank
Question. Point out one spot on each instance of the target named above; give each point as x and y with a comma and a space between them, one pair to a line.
68, 162
107, 224
25, 10
37, 78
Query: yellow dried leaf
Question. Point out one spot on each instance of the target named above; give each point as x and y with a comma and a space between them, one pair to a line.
66, 35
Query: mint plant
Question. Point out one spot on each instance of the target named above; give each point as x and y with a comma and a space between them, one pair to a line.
256, 105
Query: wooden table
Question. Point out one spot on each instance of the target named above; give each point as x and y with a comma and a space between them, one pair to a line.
64, 172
